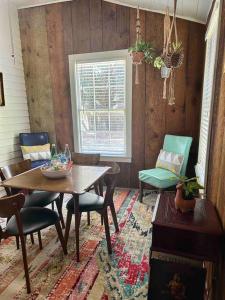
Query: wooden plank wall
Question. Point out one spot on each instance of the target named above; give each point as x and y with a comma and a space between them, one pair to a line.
216, 173
84, 26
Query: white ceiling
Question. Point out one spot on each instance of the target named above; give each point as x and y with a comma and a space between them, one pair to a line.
195, 10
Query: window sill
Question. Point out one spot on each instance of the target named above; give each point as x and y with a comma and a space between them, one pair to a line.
116, 159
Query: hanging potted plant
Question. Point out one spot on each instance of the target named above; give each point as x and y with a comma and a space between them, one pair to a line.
177, 55
142, 51
187, 191
159, 64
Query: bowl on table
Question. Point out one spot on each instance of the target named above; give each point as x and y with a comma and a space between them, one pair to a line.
55, 173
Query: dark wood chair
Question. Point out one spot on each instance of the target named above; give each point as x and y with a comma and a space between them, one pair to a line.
92, 202
87, 160
32, 198
24, 221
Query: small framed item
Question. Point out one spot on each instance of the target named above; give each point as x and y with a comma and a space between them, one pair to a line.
175, 281
2, 97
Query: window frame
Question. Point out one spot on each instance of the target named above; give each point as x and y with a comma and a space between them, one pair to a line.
101, 57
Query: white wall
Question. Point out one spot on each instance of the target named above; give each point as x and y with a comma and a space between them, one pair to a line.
14, 116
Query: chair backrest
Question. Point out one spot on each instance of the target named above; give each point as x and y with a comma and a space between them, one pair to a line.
179, 145
85, 159
12, 170
11, 205
34, 138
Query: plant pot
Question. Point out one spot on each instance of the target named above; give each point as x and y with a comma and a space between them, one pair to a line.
137, 57
177, 59
165, 72
182, 204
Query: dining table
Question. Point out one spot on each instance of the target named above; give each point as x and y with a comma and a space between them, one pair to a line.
76, 183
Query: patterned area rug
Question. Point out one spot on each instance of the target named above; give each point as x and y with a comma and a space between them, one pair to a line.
98, 276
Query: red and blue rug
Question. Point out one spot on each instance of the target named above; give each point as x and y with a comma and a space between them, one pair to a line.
98, 276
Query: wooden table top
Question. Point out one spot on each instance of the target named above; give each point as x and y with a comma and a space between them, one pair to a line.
78, 182
203, 219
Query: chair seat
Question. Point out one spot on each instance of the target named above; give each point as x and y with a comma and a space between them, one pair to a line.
38, 163
40, 199
158, 177
87, 202
33, 220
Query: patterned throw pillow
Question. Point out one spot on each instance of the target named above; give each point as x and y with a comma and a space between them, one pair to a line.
170, 161
36, 152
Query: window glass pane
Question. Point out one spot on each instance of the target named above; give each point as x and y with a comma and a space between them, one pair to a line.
102, 110
102, 97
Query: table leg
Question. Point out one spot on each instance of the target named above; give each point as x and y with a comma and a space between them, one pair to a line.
100, 183
77, 224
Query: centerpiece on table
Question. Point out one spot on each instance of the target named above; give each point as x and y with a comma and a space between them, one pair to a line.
60, 164
187, 192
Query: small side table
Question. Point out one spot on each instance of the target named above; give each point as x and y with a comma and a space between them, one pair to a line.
196, 235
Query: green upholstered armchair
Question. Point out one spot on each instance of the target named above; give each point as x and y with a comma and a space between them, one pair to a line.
161, 178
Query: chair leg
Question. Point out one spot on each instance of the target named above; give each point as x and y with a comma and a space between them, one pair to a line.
53, 206
68, 223
39, 240
88, 218
141, 186
17, 243
59, 203
32, 238
107, 233
24, 253
113, 212
77, 224
96, 189
61, 238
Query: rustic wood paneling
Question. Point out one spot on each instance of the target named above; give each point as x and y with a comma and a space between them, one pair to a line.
83, 26
138, 107
36, 66
59, 72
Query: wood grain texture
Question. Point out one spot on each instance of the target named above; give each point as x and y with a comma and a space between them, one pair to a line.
59, 73
36, 66
83, 26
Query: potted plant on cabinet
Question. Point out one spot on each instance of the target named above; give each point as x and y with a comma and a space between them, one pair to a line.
187, 191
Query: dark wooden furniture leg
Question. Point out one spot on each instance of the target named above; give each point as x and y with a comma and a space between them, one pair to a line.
59, 203
39, 240
141, 186
68, 223
24, 252
88, 218
77, 221
32, 238
17, 243
113, 212
107, 232
61, 238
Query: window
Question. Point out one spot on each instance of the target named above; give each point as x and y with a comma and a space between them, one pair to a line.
207, 98
101, 85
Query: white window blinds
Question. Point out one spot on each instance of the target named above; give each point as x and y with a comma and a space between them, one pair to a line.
207, 98
101, 91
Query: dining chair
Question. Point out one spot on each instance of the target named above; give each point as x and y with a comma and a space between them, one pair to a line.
87, 159
34, 198
24, 221
35, 139
93, 202
163, 178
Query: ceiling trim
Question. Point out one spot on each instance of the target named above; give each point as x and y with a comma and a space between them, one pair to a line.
156, 11
40, 3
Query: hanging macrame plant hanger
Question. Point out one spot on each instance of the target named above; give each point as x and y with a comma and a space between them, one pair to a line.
172, 54
137, 56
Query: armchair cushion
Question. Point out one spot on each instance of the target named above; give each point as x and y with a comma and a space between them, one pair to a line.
39, 152
160, 178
